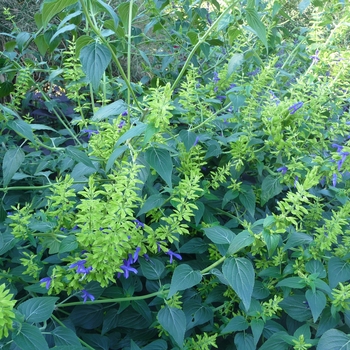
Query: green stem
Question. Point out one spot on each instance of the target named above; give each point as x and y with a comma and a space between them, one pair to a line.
129, 50
116, 300
200, 41
114, 56
216, 263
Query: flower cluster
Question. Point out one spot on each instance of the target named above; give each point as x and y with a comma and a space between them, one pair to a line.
292, 109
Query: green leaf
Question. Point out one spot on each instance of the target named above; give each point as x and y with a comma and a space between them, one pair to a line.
338, 271
315, 266
317, 302
296, 307
37, 309
115, 154
235, 61
196, 313
95, 58
123, 11
87, 316
152, 269
79, 156
30, 338
67, 28
271, 240
114, 108
257, 327
334, 339
174, 322
256, 24
52, 8
219, 234
243, 239
238, 323
194, 246
270, 188
277, 342
132, 132
154, 201
248, 200
160, 161
8, 241
12, 161
244, 341
81, 42
188, 138
21, 128
327, 321
6, 88
68, 244
110, 11
240, 274
292, 282
183, 278
65, 336
297, 239
303, 5
158, 344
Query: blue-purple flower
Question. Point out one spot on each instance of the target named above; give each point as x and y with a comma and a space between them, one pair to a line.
86, 295
125, 113
136, 254
282, 170
334, 179
89, 132
121, 124
81, 267
216, 77
46, 280
295, 107
196, 141
315, 57
173, 255
254, 72
127, 268
139, 223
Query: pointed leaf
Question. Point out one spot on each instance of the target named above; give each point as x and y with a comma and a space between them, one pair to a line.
317, 302
37, 309
219, 234
110, 11
244, 341
257, 327
292, 282
116, 153
132, 132
338, 271
174, 322
12, 161
154, 201
270, 188
160, 161
52, 8
238, 323
123, 11
334, 340
248, 200
65, 336
296, 307
235, 61
243, 239
95, 58
114, 108
256, 24
67, 28
240, 274
183, 278
79, 156
152, 269
21, 128
30, 338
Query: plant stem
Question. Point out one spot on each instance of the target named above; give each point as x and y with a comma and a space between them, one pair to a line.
216, 263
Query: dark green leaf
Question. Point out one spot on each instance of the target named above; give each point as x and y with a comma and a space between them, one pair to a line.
87, 316
315, 266
238, 323
334, 339
297, 239
219, 234
160, 161
67, 28
296, 307
37, 309
30, 338
188, 138
114, 108
154, 201
68, 244
174, 322
292, 282
52, 8
123, 11
248, 201
110, 11
196, 313
243, 239
235, 61
65, 336
21, 128
183, 278
338, 271
96, 341
95, 58
81, 42
277, 342
240, 274
158, 344
7, 243
112, 158
270, 188
79, 156
271, 240
256, 24
257, 327
6, 88
317, 302
327, 321
12, 161
194, 246
132, 132
152, 269
244, 341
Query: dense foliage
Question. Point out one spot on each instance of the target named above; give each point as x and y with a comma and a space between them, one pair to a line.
175, 175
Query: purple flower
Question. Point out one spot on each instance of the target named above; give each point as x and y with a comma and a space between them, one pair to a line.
323, 181
46, 280
127, 268
196, 141
282, 169
172, 255
136, 254
85, 295
342, 160
315, 57
296, 181
334, 179
254, 72
216, 77
125, 113
221, 97
295, 107
121, 124
232, 86
338, 147
89, 132
274, 97
80, 267
139, 223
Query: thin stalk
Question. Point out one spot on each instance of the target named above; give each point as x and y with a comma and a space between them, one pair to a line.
129, 50
200, 41
216, 263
